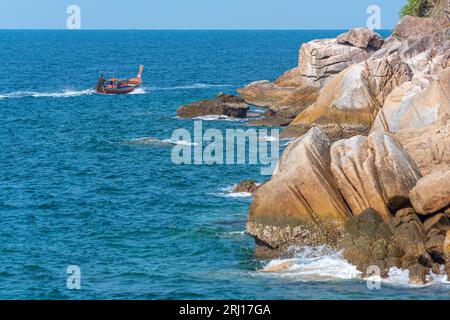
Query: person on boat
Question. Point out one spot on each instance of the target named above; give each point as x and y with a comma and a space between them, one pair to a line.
101, 80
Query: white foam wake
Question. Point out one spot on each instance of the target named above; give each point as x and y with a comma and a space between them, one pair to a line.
139, 91
152, 140
191, 86
62, 94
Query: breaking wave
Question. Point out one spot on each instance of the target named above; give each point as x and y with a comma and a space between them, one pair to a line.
227, 192
325, 264
61, 94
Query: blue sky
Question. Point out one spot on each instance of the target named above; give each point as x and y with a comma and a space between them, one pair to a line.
198, 14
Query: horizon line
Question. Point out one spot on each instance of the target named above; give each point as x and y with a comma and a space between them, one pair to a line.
185, 29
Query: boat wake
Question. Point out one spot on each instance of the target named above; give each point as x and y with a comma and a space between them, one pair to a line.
190, 87
156, 141
139, 91
325, 264
61, 94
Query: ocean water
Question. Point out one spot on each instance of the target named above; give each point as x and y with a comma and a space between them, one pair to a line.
88, 180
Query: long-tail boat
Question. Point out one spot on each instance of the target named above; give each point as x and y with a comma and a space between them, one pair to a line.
119, 86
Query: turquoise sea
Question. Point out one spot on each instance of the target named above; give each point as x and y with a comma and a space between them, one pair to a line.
80, 185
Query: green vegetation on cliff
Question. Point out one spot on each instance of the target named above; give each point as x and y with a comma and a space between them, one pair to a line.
421, 8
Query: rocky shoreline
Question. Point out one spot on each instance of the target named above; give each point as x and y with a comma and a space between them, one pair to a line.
369, 171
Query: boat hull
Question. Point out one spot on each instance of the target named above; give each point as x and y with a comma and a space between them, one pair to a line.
105, 90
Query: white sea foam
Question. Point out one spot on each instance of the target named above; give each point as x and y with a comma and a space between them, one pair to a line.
312, 264
191, 86
139, 91
227, 192
61, 94
324, 264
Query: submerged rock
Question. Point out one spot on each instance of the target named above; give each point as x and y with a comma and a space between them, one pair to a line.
431, 193
301, 203
224, 104
248, 186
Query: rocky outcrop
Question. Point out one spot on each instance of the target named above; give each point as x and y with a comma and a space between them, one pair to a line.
431, 193
319, 61
264, 93
361, 38
380, 192
225, 104
288, 210
248, 186
348, 104
374, 172
371, 241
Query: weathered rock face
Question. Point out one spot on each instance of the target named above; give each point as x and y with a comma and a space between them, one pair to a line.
320, 60
428, 146
264, 93
431, 193
249, 186
348, 104
412, 106
368, 241
374, 172
287, 209
371, 241
446, 249
415, 27
297, 101
361, 38
224, 104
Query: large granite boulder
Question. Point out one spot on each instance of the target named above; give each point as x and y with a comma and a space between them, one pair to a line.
320, 60
264, 93
225, 104
361, 38
431, 193
301, 203
348, 104
428, 146
374, 172
415, 104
